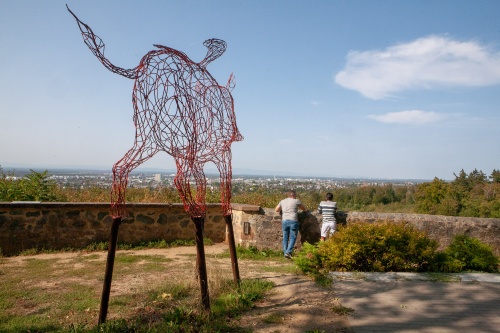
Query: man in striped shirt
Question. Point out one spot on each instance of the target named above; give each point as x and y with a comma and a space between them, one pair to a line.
328, 209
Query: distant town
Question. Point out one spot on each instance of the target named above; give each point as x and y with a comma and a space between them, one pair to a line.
151, 179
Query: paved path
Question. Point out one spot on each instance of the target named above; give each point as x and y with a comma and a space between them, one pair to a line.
406, 302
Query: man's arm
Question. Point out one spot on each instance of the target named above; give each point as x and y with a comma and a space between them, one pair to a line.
278, 208
301, 206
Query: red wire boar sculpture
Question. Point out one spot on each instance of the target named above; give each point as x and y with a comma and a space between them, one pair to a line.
179, 108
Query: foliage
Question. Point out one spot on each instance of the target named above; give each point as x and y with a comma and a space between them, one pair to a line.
103, 246
495, 176
342, 310
35, 186
171, 306
469, 254
468, 195
181, 319
252, 252
473, 194
384, 247
308, 259
379, 247
228, 304
356, 198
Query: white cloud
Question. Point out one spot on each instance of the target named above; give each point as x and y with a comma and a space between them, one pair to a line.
410, 117
315, 103
426, 63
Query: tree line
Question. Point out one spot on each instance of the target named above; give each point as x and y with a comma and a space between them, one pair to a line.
473, 195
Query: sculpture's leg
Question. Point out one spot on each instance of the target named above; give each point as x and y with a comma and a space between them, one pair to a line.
200, 261
106, 289
120, 180
133, 158
121, 170
201, 186
181, 182
185, 171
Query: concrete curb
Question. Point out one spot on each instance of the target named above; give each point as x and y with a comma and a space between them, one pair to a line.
404, 276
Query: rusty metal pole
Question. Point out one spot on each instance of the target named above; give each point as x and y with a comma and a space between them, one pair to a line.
232, 249
201, 264
106, 289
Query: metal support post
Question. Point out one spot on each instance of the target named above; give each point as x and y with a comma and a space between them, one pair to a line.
106, 289
232, 249
201, 265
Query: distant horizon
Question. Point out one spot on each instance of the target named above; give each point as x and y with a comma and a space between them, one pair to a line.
12, 167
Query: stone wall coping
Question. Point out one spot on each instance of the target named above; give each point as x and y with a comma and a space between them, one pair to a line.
239, 207
422, 217
37, 204
245, 207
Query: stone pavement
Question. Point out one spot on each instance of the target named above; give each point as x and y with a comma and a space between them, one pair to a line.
409, 302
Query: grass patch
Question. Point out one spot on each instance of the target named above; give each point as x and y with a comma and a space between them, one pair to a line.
322, 280
103, 246
341, 310
89, 257
125, 258
443, 277
253, 253
76, 297
231, 300
274, 318
63, 295
284, 269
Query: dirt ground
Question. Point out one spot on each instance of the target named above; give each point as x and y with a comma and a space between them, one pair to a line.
295, 305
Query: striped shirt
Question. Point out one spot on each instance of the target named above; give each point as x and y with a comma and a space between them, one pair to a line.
328, 209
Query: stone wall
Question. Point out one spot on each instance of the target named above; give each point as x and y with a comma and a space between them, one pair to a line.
265, 227
441, 228
28, 225
61, 225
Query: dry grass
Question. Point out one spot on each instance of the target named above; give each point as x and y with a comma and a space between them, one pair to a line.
53, 292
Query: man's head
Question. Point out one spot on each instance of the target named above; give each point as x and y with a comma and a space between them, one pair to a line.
329, 196
292, 194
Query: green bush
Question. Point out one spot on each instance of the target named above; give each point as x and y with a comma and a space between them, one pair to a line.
35, 186
469, 254
385, 247
254, 253
378, 247
308, 259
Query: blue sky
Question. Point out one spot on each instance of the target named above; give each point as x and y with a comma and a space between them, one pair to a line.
379, 89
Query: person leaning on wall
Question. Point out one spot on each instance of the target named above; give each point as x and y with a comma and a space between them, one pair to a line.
328, 209
289, 221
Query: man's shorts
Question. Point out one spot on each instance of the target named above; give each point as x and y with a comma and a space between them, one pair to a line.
328, 229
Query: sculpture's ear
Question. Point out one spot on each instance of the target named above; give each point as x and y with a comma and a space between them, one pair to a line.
216, 47
231, 83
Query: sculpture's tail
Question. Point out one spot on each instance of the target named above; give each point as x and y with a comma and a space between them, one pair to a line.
96, 45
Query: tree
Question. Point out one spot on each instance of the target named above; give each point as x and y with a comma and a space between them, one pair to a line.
35, 186
428, 196
495, 176
384, 194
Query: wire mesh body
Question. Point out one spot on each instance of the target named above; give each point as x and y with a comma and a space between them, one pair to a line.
179, 108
